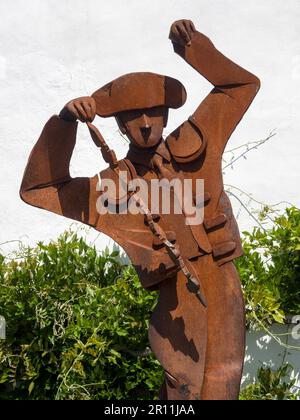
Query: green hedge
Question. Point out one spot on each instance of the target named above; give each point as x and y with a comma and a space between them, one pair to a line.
270, 268
76, 326
272, 385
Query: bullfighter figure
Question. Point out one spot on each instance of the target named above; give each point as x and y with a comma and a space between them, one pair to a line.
198, 337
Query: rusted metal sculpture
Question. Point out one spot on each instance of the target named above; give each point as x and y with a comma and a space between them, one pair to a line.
198, 337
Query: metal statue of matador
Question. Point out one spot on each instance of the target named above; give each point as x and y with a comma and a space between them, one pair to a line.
197, 330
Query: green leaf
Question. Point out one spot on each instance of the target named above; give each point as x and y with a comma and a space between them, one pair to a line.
31, 388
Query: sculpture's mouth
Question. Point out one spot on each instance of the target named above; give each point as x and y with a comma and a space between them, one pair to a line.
146, 131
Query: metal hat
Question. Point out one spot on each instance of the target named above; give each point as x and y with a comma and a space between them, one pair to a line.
139, 91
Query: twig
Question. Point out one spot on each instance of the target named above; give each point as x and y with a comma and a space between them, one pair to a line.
249, 149
11, 242
245, 207
257, 201
274, 336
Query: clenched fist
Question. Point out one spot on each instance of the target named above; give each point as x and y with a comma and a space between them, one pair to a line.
82, 109
182, 32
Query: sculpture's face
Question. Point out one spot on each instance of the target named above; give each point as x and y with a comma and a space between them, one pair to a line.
144, 128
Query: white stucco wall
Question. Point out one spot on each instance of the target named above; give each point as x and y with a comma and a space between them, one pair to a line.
273, 348
54, 50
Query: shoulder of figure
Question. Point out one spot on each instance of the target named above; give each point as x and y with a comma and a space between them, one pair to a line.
187, 142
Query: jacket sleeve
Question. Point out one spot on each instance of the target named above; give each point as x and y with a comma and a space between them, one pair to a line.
233, 92
47, 183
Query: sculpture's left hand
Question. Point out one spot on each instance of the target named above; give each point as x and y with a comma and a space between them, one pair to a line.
182, 32
83, 109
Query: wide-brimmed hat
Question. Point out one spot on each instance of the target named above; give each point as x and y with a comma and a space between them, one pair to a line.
139, 91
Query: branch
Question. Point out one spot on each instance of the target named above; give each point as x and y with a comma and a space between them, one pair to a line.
257, 201
245, 207
254, 145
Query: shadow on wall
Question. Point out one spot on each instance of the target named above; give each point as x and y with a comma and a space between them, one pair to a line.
263, 349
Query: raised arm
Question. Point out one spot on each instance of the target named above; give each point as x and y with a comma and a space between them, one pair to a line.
47, 183
234, 87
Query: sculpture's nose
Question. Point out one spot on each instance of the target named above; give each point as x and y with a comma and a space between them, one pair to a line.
145, 127
145, 121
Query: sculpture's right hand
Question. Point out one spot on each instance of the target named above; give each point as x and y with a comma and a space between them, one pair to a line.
82, 109
182, 32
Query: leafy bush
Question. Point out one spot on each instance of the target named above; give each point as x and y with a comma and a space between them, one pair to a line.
76, 326
271, 385
270, 269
